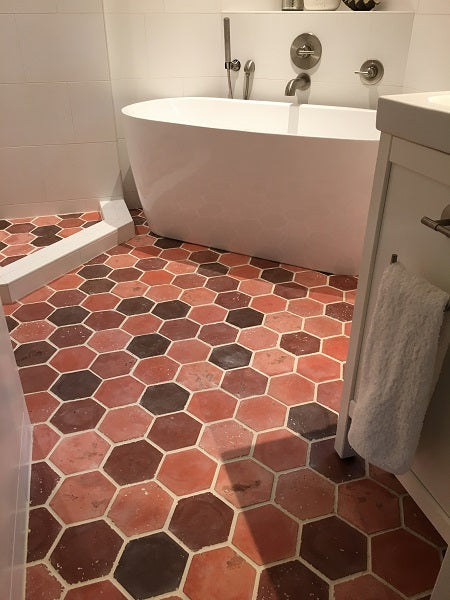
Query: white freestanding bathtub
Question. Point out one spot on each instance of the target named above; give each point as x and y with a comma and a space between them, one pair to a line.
269, 179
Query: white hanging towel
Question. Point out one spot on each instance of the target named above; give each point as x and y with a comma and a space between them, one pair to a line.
397, 369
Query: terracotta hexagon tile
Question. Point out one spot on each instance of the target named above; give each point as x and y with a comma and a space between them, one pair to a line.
343, 311
151, 566
104, 319
189, 351
256, 287
71, 335
141, 324
187, 471
140, 508
82, 497
292, 580
324, 459
217, 334
72, 359
109, 340
244, 382
201, 520
119, 391
179, 329
283, 322
405, 561
323, 326
280, 450
198, 296
79, 452
310, 278
44, 440
305, 494
37, 379
306, 307
291, 389
100, 302
113, 364
273, 362
40, 405
244, 483
130, 289
268, 304
343, 282
157, 278
326, 294
336, 347
219, 574
157, 369
368, 506
101, 590
86, 552
387, 479
258, 338
210, 313
32, 332
334, 548
265, 534
43, 529
212, 405
42, 483
418, 522
366, 587
33, 312
199, 376
261, 412
174, 431
318, 368
226, 440
133, 462
329, 394
77, 416
41, 584
126, 423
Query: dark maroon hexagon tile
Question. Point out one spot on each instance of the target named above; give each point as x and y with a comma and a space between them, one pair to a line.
104, 319
4, 224
133, 462
290, 290
231, 356
94, 271
43, 530
42, 483
263, 263
201, 521
166, 243
72, 386
300, 343
96, 286
21, 228
37, 378
151, 264
164, 398
343, 311
174, 431
42, 241
72, 335
245, 317
135, 306
126, 274
46, 230
312, 421
152, 344
11, 323
343, 282
334, 548
179, 329
69, 315
418, 522
277, 275
86, 552
33, 353
172, 309
213, 269
33, 312
217, 334
230, 300
204, 256
79, 415
151, 566
244, 382
325, 460
223, 283
67, 298
291, 580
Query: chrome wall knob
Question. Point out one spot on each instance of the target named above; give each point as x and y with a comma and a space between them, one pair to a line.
371, 72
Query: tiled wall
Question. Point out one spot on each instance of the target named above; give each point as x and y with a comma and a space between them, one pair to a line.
57, 134
428, 66
161, 48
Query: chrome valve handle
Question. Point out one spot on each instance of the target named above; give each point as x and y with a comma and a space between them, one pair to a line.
371, 72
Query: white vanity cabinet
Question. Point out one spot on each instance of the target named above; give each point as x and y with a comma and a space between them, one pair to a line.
412, 180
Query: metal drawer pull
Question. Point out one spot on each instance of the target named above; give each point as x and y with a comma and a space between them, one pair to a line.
442, 226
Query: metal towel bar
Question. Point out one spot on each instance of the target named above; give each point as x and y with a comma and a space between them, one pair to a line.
442, 226
394, 259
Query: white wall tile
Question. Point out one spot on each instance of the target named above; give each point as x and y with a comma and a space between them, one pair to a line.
434, 7
126, 45
28, 6
92, 111
390, 36
35, 113
11, 67
212, 87
80, 6
193, 6
63, 47
80, 171
430, 70
133, 6
251, 5
21, 177
186, 45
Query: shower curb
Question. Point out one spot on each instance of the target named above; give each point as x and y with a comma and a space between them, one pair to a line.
36, 270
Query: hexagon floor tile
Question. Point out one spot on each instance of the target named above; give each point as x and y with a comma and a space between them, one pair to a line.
184, 405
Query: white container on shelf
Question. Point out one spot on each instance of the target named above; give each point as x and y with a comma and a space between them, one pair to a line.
321, 4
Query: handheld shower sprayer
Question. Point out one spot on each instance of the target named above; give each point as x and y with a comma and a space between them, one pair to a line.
230, 65
249, 70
